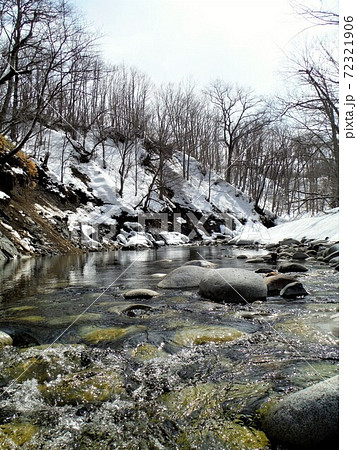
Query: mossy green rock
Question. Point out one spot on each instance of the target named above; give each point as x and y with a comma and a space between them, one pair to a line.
205, 334
305, 329
146, 352
21, 308
223, 436
67, 320
82, 387
97, 335
15, 434
201, 407
27, 319
43, 363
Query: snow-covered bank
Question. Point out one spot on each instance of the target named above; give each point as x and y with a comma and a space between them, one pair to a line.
324, 225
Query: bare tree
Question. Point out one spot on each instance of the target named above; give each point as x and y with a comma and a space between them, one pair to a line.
41, 45
322, 16
240, 114
315, 111
128, 96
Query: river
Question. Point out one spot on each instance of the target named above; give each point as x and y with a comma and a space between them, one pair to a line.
91, 369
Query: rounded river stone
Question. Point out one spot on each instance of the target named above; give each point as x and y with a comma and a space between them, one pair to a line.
307, 419
233, 286
184, 277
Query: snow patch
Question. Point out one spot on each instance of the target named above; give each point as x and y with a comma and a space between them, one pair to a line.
3, 196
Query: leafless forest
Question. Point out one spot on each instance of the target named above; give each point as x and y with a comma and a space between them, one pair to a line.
282, 151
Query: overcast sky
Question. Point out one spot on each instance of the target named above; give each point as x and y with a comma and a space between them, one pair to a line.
238, 41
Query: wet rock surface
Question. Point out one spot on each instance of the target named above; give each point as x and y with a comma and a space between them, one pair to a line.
294, 290
308, 419
5, 339
233, 285
140, 293
7, 249
183, 277
276, 283
286, 267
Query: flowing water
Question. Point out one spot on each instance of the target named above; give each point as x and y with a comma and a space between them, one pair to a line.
92, 369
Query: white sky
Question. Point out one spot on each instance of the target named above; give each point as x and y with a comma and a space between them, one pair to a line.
238, 41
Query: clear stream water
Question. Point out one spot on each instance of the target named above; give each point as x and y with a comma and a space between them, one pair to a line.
91, 369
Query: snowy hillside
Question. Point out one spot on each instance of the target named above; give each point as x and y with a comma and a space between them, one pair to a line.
227, 213
234, 210
104, 182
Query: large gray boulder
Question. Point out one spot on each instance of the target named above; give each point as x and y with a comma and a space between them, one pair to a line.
184, 277
307, 419
233, 285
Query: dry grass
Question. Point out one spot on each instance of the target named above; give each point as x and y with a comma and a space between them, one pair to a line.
21, 158
27, 164
5, 145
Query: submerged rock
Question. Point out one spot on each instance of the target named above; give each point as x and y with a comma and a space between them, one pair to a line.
233, 285
204, 334
203, 409
184, 277
131, 309
26, 319
307, 419
66, 320
15, 434
83, 387
256, 260
98, 335
146, 352
43, 363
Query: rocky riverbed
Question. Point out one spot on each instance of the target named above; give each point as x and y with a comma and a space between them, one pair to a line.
101, 354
